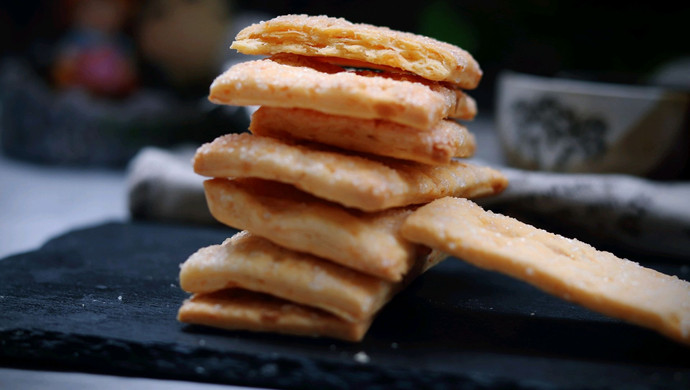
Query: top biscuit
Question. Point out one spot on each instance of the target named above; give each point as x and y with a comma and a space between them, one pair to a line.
337, 38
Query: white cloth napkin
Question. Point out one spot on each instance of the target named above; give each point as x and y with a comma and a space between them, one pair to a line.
627, 211
161, 185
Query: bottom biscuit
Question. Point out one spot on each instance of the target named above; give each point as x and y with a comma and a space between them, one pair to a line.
236, 309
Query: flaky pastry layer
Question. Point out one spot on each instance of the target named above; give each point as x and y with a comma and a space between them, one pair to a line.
236, 309
367, 242
437, 145
338, 38
253, 263
293, 81
354, 181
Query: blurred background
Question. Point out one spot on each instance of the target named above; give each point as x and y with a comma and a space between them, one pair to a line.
150, 62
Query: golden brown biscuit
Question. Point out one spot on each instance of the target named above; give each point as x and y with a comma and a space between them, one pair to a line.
364, 183
291, 81
564, 267
437, 145
256, 264
237, 309
368, 242
338, 38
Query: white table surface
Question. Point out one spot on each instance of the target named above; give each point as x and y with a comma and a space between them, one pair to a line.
38, 202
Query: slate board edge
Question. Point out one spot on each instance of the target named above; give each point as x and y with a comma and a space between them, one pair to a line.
19, 348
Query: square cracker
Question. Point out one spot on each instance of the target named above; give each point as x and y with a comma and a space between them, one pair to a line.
367, 184
236, 309
293, 81
367, 242
436, 145
256, 264
564, 267
341, 39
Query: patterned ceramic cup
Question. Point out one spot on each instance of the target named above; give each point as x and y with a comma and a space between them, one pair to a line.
567, 125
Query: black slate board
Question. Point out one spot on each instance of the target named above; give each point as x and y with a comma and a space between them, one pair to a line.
104, 299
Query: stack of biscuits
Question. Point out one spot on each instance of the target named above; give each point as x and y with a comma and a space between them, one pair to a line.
356, 128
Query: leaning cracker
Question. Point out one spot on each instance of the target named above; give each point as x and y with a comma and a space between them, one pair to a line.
290, 81
368, 242
339, 38
564, 267
236, 309
256, 264
437, 145
364, 183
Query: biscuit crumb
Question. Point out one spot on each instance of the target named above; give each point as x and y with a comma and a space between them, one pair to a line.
362, 357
